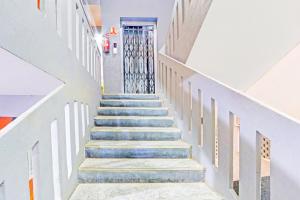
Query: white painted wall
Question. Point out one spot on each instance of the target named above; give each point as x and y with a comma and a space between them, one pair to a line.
32, 36
112, 10
241, 40
15, 105
20, 78
279, 86
21, 84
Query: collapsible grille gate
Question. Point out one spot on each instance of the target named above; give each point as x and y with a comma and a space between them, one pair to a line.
138, 58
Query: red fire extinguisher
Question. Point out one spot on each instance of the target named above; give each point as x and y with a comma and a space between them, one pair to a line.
106, 45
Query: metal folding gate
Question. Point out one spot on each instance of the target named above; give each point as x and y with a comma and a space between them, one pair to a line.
138, 59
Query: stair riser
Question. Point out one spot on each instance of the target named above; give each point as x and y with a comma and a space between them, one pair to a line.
128, 97
134, 122
138, 153
133, 112
130, 104
146, 136
164, 176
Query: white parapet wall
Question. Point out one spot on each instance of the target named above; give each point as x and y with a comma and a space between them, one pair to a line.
189, 93
33, 153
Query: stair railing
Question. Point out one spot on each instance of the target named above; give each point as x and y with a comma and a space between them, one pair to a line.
205, 111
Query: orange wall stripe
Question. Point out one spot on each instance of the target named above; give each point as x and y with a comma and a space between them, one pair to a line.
4, 121
31, 189
39, 4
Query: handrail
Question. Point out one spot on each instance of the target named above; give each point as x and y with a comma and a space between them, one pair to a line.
28, 112
88, 22
86, 17
253, 99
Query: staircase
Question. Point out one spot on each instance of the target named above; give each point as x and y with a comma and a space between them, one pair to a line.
136, 153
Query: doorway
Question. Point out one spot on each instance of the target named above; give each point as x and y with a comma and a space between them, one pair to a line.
139, 56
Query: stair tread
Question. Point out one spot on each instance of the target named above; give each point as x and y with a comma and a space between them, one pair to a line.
145, 191
124, 164
137, 144
135, 129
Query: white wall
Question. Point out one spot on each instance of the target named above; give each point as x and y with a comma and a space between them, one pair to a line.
279, 87
20, 78
112, 10
33, 36
21, 84
15, 105
241, 40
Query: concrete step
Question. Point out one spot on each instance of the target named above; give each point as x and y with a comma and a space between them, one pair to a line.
135, 111
130, 121
137, 149
95, 170
131, 96
130, 103
136, 133
145, 191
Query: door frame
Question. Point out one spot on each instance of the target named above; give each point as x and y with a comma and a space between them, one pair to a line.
139, 21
